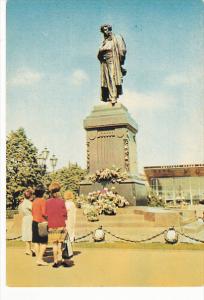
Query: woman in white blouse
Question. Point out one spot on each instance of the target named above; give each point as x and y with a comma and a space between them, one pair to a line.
71, 214
25, 209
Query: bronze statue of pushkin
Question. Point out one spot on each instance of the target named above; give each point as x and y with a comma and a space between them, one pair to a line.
111, 55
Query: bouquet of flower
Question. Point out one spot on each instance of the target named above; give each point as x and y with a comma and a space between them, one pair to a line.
120, 201
80, 200
91, 212
108, 176
102, 202
113, 196
93, 196
109, 208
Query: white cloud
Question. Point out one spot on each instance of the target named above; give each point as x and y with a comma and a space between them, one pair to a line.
78, 77
177, 79
163, 138
145, 101
191, 138
187, 79
24, 77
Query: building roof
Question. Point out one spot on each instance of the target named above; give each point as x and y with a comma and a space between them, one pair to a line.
174, 171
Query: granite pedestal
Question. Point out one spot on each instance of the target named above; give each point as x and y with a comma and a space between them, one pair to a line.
111, 142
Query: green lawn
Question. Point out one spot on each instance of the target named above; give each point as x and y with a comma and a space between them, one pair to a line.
125, 245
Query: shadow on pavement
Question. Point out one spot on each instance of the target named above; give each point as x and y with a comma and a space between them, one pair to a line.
76, 253
48, 256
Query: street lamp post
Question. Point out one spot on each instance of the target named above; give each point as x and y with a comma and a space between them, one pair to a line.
42, 160
45, 154
53, 161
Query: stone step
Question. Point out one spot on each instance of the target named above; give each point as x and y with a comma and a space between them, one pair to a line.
122, 220
112, 221
194, 227
185, 221
113, 224
116, 218
120, 211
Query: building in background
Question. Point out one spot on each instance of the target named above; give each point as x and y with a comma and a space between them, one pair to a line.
177, 183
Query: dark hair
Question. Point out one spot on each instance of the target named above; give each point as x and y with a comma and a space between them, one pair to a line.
54, 187
39, 190
105, 25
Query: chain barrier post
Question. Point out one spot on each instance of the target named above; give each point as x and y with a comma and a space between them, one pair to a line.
171, 236
99, 235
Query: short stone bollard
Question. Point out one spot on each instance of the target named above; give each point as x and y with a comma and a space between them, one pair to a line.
99, 235
171, 236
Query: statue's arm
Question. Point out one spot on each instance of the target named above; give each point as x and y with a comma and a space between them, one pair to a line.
100, 56
122, 48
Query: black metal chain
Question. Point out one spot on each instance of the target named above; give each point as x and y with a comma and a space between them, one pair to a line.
84, 236
126, 240
192, 238
12, 239
135, 241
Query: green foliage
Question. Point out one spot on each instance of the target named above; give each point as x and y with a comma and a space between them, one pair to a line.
69, 178
21, 166
155, 200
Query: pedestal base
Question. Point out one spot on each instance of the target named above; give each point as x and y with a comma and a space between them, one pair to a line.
111, 139
132, 189
111, 142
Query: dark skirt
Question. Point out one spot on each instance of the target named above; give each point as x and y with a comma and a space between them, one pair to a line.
36, 238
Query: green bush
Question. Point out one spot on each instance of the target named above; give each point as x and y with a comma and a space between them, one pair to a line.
154, 200
69, 177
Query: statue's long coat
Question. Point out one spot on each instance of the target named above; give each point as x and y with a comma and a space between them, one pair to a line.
111, 73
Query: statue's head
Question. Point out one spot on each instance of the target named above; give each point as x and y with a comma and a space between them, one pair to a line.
106, 29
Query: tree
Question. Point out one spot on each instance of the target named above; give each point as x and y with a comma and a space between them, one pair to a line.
23, 170
155, 200
69, 178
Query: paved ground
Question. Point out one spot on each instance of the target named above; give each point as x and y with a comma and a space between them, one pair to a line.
110, 267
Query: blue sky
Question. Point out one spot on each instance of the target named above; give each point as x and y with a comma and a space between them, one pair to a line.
53, 74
